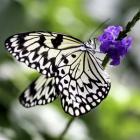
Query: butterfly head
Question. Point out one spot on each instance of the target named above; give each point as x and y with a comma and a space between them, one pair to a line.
90, 44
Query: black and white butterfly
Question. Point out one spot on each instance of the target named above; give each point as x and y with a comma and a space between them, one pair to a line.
69, 69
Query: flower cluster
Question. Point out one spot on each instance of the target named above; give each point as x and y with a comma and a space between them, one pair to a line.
115, 49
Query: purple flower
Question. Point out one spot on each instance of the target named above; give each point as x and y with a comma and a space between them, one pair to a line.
114, 48
114, 30
107, 36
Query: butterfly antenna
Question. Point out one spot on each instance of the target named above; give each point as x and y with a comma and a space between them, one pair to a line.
99, 27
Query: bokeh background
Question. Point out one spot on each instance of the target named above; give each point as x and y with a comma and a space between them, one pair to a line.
116, 118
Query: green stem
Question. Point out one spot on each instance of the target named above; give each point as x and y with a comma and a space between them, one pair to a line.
66, 129
129, 25
105, 61
123, 34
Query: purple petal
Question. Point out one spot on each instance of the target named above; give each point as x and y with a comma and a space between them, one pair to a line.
122, 50
114, 30
115, 62
113, 53
127, 41
106, 36
105, 46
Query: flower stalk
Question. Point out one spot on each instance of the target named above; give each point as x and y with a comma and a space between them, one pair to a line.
105, 61
66, 129
129, 25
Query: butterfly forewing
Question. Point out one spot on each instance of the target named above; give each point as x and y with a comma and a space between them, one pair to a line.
41, 50
41, 91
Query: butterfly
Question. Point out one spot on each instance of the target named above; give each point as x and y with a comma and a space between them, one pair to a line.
69, 69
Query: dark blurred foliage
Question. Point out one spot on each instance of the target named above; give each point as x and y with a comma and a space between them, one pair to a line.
117, 118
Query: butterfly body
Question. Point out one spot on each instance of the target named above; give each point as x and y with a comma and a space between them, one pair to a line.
69, 69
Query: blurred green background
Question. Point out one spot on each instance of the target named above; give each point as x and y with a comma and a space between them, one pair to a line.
117, 118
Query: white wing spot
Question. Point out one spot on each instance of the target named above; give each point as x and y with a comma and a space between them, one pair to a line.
14, 54
52, 98
40, 102
33, 65
71, 111
88, 107
26, 62
57, 80
44, 102
66, 108
103, 89
49, 100
77, 112
78, 99
82, 109
60, 87
63, 102
13, 39
32, 104
35, 102
38, 69
17, 57
93, 103
108, 88
22, 59
95, 97
65, 92
99, 100
89, 99
100, 94
9, 49
44, 71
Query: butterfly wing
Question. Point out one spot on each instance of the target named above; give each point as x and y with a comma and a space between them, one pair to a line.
41, 50
84, 85
76, 73
41, 91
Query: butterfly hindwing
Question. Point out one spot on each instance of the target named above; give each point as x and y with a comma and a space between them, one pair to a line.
41, 91
41, 50
84, 86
